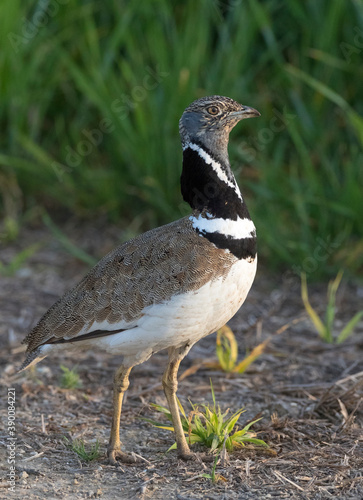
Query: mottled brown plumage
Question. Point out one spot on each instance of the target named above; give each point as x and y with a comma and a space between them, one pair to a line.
145, 270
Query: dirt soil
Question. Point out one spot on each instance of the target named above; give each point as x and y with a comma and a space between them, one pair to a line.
309, 394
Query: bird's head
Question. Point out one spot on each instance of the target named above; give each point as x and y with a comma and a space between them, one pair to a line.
209, 120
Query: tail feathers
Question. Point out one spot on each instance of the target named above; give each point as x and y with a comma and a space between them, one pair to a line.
32, 358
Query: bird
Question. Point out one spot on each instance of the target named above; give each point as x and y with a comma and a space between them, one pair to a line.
172, 285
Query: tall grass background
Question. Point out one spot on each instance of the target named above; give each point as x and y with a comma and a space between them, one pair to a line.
91, 94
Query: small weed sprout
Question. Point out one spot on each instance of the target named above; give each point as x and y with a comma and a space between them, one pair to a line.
213, 476
325, 329
210, 427
70, 378
227, 352
78, 446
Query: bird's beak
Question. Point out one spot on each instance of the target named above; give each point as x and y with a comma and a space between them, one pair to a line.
245, 112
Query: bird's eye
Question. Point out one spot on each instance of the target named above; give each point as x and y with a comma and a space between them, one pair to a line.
213, 110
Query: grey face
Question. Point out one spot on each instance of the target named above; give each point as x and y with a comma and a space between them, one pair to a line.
209, 120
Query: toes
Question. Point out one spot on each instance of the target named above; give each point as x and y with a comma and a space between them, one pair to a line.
188, 455
112, 459
205, 457
116, 456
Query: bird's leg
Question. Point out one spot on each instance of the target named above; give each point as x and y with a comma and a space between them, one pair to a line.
170, 385
120, 385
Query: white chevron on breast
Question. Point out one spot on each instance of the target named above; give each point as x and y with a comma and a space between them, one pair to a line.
237, 229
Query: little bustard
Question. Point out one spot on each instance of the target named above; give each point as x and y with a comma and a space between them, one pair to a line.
170, 286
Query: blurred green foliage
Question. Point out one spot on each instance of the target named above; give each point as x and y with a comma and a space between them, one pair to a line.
91, 93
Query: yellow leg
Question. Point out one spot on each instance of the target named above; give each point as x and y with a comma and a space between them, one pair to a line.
170, 385
120, 386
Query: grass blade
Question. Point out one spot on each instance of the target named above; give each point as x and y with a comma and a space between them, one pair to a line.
349, 327
330, 310
66, 242
226, 348
254, 354
319, 325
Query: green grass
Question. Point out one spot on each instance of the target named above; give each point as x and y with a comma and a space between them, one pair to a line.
70, 378
87, 454
227, 352
78, 253
90, 104
325, 328
211, 427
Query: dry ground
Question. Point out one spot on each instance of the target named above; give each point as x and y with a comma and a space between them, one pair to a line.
308, 393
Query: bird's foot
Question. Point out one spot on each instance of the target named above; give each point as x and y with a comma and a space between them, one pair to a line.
116, 455
189, 455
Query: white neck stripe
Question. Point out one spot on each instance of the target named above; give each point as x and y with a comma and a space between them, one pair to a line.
237, 229
215, 165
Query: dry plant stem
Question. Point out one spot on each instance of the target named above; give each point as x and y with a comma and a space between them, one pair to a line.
120, 386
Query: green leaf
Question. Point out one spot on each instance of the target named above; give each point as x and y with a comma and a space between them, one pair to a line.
348, 329
257, 442
254, 354
226, 348
330, 310
319, 325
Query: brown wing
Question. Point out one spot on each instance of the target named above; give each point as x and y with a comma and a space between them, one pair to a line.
146, 270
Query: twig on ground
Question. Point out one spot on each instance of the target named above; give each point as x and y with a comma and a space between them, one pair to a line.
283, 478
